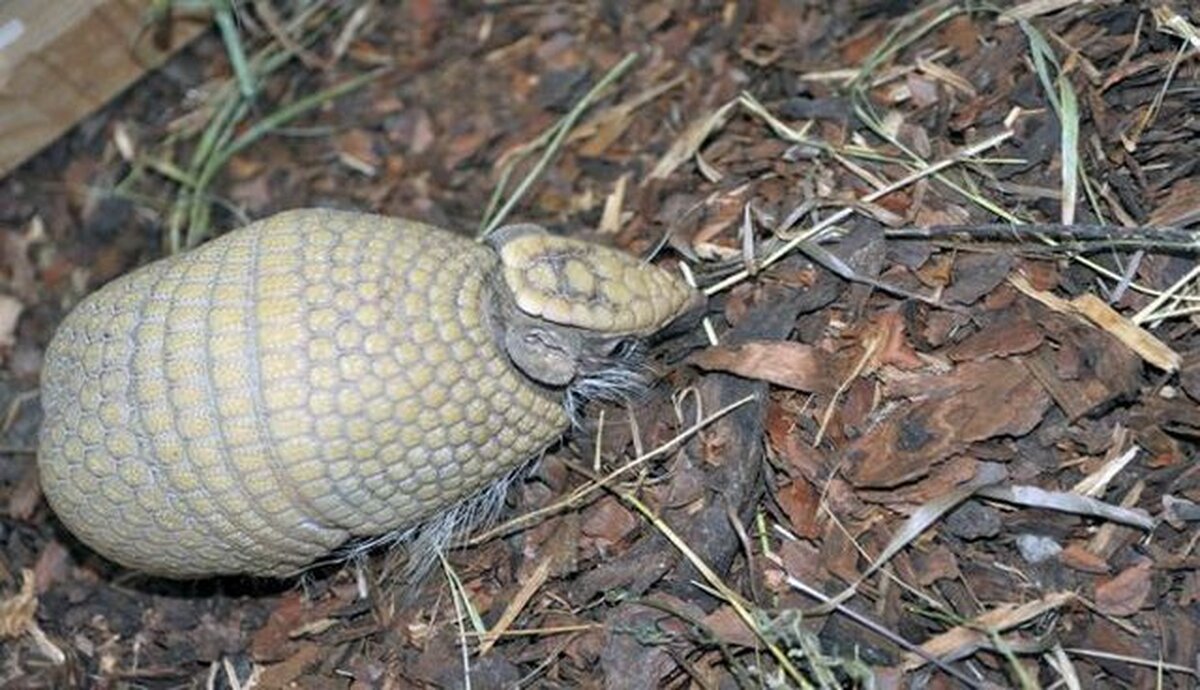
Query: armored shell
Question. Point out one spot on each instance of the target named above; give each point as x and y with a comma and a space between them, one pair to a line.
251, 405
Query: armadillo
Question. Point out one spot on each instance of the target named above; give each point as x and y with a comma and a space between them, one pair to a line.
319, 377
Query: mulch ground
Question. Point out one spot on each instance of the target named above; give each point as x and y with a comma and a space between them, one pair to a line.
909, 459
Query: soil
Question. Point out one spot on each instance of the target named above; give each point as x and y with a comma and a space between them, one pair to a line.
984, 444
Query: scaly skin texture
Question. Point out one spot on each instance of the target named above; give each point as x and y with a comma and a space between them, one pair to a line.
584, 285
314, 377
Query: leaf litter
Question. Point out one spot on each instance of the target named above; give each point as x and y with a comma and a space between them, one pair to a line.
935, 433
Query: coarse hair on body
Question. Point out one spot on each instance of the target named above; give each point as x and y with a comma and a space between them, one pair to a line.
621, 376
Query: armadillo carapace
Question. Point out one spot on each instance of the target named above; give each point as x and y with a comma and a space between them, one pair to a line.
319, 376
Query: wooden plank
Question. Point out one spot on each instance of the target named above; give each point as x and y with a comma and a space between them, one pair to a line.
61, 60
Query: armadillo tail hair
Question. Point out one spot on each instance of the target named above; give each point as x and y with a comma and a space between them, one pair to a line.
414, 551
434, 537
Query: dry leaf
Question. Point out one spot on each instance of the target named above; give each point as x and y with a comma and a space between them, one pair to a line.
958, 408
895, 350
1077, 556
286, 672
801, 502
728, 626
1125, 594
783, 363
17, 612
10, 313
964, 640
1094, 309
690, 141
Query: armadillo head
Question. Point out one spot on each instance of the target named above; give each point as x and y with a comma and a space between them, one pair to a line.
580, 310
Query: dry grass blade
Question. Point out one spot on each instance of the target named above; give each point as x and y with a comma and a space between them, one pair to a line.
1067, 502
18, 617
917, 523
966, 639
1156, 310
874, 626
844, 213
552, 140
728, 594
221, 122
17, 612
1107, 319
1063, 100
1072, 238
462, 609
1175, 24
198, 228
1095, 483
689, 142
590, 487
1059, 661
1036, 8
1124, 658
516, 604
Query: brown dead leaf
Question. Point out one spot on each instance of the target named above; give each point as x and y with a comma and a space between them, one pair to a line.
244, 167
607, 523
800, 501
688, 143
1095, 310
423, 136
1181, 206
839, 556
783, 363
464, 144
801, 560
976, 275
1077, 556
1125, 594
26, 496
951, 474
53, 565
974, 402
17, 611
1012, 334
1190, 590
252, 193
273, 640
728, 626
1088, 370
938, 563
854, 414
962, 35
783, 435
894, 348
855, 49
936, 272
1189, 374
962, 641
356, 150
286, 672
922, 91
16, 259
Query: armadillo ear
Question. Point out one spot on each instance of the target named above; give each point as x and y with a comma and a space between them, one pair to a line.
547, 355
506, 233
